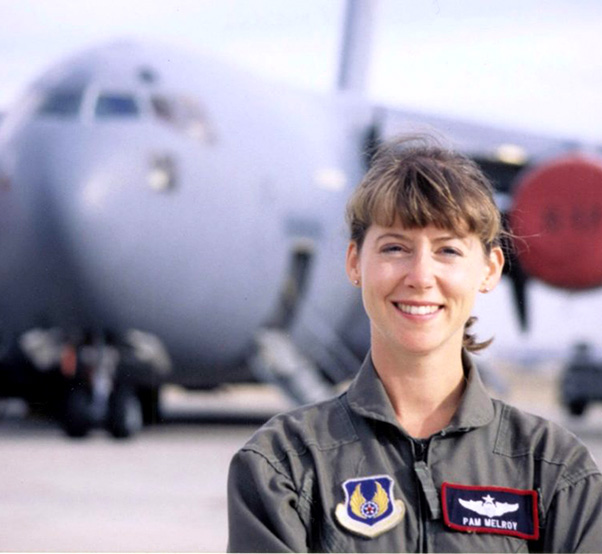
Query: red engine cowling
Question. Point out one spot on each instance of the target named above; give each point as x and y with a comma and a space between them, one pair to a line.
557, 217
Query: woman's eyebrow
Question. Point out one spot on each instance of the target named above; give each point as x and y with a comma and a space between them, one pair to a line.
447, 238
401, 236
391, 235
396, 235
443, 238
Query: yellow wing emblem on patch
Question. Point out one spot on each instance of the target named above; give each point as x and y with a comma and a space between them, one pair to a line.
380, 499
372, 516
357, 501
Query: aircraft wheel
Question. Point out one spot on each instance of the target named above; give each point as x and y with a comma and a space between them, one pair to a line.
577, 407
77, 419
125, 413
151, 405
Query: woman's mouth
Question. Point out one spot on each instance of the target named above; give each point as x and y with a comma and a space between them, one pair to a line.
413, 309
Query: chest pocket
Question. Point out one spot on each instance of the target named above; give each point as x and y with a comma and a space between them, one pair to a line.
461, 541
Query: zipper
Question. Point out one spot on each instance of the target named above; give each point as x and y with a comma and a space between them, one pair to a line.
421, 447
420, 453
430, 505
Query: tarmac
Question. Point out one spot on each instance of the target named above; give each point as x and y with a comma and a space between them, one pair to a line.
165, 490
162, 491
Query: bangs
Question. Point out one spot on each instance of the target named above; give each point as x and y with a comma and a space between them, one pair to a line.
419, 196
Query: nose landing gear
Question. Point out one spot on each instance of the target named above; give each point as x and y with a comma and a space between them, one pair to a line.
96, 396
124, 416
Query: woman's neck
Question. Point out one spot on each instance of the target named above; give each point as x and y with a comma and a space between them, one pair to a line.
425, 390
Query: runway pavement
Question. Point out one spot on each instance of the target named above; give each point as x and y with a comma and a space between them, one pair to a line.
164, 490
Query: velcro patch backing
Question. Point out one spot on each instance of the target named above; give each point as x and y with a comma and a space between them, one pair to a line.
495, 510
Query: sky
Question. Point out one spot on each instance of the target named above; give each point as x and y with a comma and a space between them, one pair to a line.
534, 65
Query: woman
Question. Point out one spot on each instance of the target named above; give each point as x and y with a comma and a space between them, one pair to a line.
415, 456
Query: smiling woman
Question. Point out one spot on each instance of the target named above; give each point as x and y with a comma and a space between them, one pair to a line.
415, 456
419, 288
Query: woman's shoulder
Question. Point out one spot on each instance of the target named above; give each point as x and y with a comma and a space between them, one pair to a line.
524, 434
323, 426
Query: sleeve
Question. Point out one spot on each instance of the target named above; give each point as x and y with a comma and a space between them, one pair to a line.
574, 521
262, 508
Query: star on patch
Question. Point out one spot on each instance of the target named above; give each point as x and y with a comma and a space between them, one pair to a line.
369, 508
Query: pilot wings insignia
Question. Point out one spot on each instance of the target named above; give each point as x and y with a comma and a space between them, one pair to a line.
488, 506
369, 508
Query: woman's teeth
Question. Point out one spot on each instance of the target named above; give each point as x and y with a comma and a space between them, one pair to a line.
417, 310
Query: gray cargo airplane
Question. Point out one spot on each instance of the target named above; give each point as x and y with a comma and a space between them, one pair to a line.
170, 219
158, 211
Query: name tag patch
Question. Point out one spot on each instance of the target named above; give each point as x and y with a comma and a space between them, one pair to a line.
495, 510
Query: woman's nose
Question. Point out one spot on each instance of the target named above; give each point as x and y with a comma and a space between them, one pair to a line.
420, 272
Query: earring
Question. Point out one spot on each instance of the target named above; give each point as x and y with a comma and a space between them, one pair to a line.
356, 283
485, 290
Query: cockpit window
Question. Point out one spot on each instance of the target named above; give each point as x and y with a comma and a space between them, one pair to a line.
61, 104
111, 105
183, 113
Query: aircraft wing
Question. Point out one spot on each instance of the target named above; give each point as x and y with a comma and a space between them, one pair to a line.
474, 139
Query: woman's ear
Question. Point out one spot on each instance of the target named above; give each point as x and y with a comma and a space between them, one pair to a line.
352, 263
495, 264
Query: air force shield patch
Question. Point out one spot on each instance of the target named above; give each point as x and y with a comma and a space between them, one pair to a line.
369, 508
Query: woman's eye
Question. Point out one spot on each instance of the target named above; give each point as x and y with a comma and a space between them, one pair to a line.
451, 251
392, 248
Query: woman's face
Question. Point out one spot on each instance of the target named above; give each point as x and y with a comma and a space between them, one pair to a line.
419, 285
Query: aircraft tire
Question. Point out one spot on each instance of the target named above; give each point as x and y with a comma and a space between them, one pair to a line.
151, 405
125, 413
77, 418
577, 407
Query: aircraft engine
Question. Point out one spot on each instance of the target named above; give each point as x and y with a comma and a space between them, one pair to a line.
557, 219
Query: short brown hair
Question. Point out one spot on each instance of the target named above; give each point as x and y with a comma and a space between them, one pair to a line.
416, 180
422, 183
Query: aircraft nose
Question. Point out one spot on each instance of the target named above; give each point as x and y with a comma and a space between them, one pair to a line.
167, 252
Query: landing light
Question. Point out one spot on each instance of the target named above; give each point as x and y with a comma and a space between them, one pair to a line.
162, 173
159, 179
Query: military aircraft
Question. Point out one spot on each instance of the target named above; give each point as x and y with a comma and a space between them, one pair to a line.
166, 218
157, 212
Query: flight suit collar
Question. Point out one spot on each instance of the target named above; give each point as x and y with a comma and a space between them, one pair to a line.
367, 396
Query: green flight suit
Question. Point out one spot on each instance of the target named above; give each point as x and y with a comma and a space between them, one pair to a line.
323, 477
